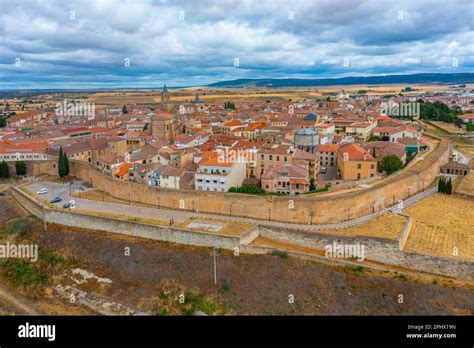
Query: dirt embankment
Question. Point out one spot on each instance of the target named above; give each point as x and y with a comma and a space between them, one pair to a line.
151, 276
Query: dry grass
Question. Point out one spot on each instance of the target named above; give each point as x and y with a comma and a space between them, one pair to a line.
466, 186
229, 228
388, 226
264, 242
440, 224
467, 150
124, 217
448, 127
97, 195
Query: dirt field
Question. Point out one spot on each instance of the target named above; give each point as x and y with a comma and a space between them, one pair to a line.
440, 224
466, 186
247, 284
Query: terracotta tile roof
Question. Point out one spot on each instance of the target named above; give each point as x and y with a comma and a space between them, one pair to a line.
123, 169
355, 152
327, 148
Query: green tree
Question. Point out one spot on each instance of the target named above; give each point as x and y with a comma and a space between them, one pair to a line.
20, 167
4, 170
441, 185
229, 105
449, 187
66, 164
312, 185
390, 164
62, 170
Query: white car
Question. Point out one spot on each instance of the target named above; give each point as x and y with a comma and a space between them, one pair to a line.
323, 170
42, 191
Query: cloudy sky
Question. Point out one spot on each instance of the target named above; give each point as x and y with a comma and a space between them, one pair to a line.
144, 43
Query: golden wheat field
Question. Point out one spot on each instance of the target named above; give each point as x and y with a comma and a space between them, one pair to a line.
442, 225
466, 187
388, 226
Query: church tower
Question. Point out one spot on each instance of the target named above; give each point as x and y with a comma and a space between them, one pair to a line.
165, 95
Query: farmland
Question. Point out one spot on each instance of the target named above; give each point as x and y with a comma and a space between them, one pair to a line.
443, 226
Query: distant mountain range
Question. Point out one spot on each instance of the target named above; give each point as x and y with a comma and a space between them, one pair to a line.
361, 80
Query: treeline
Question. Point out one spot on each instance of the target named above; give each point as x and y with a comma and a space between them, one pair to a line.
20, 168
438, 111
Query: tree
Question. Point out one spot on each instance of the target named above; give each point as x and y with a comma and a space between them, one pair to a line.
390, 164
4, 170
124, 110
66, 164
374, 138
449, 187
229, 105
312, 185
62, 166
20, 167
441, 185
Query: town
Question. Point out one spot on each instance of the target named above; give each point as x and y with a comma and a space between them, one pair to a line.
284, 147
236, 159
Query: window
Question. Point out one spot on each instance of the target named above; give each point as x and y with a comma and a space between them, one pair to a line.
358, 176
278, 158
372, 166
271, 157
359, 166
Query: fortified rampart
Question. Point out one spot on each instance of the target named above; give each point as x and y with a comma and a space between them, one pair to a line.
315, 209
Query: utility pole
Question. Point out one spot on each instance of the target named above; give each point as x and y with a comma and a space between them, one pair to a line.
214, 256
269, 212
44, 218
311, 221
230, 210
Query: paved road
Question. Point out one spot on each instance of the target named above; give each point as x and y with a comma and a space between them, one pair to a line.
62, 191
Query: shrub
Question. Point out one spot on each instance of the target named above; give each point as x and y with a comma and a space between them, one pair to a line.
280, 254
20, 226
390, 164
20, 167
226, 286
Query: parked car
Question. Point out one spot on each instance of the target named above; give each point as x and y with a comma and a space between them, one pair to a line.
2, 194
323, 170
42, 191
56, 200
67, 205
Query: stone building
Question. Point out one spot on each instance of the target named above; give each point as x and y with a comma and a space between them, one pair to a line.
164, 126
